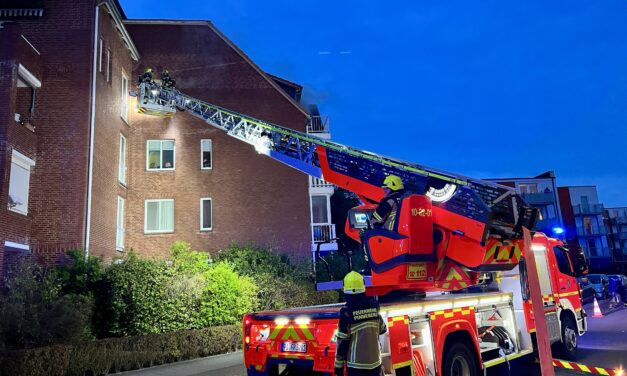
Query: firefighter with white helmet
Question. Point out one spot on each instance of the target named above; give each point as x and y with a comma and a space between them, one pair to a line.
358, 331
385, 214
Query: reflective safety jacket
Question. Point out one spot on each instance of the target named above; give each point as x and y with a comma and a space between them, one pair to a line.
358, 335
386, 213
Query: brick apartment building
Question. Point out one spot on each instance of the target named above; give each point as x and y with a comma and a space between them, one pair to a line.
80, 168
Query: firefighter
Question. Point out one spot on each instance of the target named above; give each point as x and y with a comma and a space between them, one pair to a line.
358, 331
166, 80
385, 214
146, 77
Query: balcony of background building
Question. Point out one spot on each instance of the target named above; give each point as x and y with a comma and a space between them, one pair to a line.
539, 198
319, 183
323, 233
619, 220
591, 231
621, 235
588, 209
318, 124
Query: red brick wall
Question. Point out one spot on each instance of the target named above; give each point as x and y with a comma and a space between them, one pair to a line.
254, 198
63, 36
108, 127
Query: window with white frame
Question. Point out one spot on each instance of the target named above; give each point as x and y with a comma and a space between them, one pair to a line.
205, 214
100, 55
160, 155
119, 236
206, 149
319, 209
19, 181
124, 99
122, 161
159, 216
108, 66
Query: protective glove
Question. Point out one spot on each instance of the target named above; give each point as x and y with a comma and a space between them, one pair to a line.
339, 371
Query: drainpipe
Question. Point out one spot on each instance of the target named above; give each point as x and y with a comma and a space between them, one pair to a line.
91, 132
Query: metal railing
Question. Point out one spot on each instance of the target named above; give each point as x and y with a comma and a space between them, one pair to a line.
588, 209
598, 251
318, 125
591, 231
319, 183
323, 232
622, 235
620, 220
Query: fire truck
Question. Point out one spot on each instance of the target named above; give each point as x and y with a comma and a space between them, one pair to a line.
452, 234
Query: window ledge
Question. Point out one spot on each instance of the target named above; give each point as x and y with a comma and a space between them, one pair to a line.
159, 169
158, 232
18, 212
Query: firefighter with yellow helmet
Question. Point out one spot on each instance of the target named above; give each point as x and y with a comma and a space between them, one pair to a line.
386, 213
358, 331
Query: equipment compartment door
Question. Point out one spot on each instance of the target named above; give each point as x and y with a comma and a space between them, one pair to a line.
545, 278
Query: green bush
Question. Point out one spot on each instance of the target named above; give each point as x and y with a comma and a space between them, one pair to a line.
34, 313
281, 282
121, 354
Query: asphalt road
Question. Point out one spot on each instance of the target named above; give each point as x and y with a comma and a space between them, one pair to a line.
605, 345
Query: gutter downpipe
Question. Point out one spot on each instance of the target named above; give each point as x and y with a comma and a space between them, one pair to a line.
91, 133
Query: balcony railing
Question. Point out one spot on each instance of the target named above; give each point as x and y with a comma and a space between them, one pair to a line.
620, 220
597, 252
622, 235
319, 183
591, 231
318, 125
323, 232
588, 209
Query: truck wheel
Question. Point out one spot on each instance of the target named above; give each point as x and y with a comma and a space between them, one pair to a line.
459, 361
569, 338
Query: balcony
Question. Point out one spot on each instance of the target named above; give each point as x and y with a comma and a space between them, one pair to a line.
602, 252
539, 198
323, 233
620, 220
588, 209
591, 231
318, 125
319, 183
621, 235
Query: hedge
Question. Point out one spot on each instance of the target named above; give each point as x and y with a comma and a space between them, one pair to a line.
121, 354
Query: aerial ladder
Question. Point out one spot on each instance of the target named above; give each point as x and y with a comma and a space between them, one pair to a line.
450, 228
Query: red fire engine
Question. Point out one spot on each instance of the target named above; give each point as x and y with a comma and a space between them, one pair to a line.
452, 233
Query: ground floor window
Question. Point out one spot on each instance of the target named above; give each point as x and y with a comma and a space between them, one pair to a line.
119, 237
205, 214
159, 216
19, 182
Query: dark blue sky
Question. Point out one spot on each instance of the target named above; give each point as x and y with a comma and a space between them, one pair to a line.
483, 88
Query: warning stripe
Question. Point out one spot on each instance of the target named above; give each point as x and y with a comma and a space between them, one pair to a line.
392, 320
449, 313
588, 369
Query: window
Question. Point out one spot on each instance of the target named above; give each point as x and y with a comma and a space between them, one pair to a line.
592, 247
587, 225
124, 99
108, 67
159, 216
562, 260
319, 209
160, 155
119, 237
528, 188
19, 181
205, 154
550, 211
100, 55
122, 161
205, 214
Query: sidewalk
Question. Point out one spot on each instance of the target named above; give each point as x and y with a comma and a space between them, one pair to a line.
231, 364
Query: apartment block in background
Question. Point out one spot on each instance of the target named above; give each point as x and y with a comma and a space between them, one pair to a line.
583, 215
616, 220
540, 192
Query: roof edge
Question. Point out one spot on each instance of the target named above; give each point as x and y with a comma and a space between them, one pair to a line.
116, 12
162, 21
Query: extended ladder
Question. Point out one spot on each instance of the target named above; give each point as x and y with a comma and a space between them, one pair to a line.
498, 207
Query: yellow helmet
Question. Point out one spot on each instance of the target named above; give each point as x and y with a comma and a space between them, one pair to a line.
393, 182
148, 70
354, 283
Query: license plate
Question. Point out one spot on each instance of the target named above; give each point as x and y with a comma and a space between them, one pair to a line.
300, 347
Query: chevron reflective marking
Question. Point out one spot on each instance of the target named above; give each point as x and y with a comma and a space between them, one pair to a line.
588, 369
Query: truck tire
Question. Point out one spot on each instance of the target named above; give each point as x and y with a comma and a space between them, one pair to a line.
569, 343
459, 361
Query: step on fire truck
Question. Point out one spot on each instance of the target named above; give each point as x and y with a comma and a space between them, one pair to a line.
451, 233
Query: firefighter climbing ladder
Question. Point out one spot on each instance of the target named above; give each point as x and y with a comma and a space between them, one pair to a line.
471, 198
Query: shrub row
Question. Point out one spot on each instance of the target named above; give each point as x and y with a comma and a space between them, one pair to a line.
120, 354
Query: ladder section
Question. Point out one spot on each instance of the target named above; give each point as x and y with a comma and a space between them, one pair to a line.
479, 200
